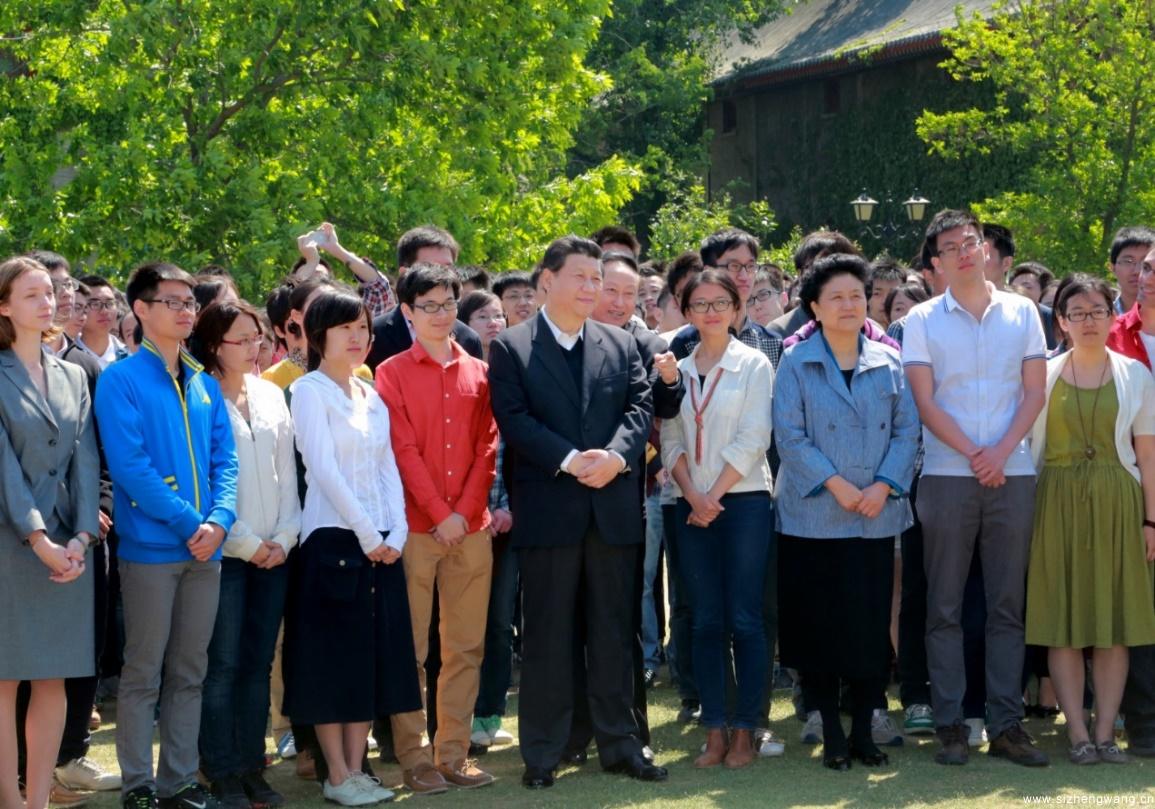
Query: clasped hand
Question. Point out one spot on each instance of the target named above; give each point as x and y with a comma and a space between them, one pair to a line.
65, 561
868, 502
988, 464
704, 508
595, 468
204, 543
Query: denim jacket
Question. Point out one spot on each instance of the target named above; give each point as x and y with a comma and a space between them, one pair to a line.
865, 433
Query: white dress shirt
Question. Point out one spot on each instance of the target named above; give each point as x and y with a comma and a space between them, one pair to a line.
978, 372
736, 423
267, 504
350, 468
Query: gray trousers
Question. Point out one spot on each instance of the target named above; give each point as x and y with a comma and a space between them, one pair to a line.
169, 614
956, 513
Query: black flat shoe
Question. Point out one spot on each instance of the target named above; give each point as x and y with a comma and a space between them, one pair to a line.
869, 755
839, 763
575, 757
638, 768
533, 778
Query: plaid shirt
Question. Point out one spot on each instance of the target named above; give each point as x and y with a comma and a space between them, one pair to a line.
752, 334
498, 496
378, 296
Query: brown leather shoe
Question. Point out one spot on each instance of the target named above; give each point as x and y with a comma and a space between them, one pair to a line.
715, 751
306, 766
953, 745
741, 752
424, 779
62, 796
465, 774
1016, 745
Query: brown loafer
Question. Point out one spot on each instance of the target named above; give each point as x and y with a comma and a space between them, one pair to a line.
306, 766
465, 774
424, 779
741, 752
715, 752
1016, 745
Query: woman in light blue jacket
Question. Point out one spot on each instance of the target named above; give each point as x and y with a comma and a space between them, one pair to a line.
847, 432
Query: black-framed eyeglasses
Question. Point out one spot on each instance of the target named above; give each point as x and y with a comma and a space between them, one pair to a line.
761, 296
968, 245
735, 267
1098, 313
719, 305
96, 306
431, 308
175, 304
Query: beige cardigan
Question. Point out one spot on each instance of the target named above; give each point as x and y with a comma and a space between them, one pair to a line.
1135, 387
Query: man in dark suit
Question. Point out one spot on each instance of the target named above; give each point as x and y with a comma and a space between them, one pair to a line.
392, 334
572, 399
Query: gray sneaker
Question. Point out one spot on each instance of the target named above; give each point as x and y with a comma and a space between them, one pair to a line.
812, 730
883, 730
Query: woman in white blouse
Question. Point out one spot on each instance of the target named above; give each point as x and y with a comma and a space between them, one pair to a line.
349, 646
253, 573
716, 453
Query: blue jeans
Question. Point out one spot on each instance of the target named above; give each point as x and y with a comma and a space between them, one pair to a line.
497, 664
724, 570
235, 705
651, 647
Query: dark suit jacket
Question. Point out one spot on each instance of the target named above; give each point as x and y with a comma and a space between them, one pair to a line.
391, 337
91, 366
542, 415
667, 398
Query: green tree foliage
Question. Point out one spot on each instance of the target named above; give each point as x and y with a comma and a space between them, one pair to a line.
659, 55
216, 131
688, 216
1072, 84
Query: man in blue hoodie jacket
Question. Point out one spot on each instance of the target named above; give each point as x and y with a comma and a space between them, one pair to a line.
173, 466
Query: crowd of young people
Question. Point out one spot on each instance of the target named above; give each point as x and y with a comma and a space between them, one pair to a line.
338, 509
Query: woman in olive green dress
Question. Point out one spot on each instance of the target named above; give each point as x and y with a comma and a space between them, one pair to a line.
1090, 579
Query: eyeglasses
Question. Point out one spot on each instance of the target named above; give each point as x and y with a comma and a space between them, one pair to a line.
433, 308
96, 306
64, 284
735, 267
1098, 313
248, 341
720, 305
488, 318
1127, 262
761, 296
515, 297
175, 304
968, 246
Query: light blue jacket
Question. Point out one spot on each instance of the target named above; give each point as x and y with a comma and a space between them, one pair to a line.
866, 433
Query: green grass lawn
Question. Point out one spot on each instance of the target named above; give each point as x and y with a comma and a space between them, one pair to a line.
796, 779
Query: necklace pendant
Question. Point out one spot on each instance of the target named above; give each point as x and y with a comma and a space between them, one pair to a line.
1090, 453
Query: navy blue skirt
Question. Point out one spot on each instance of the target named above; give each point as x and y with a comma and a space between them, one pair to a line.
348, 636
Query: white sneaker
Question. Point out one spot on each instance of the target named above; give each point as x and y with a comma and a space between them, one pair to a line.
372, 786
883, 730
85, 774
350, 793
978, 732
500, 736
479, 733
287, 746
812, 730
769, 745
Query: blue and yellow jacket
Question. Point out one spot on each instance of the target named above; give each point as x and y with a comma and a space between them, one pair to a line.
170, 454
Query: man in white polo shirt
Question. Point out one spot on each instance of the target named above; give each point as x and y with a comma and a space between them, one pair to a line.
975, 358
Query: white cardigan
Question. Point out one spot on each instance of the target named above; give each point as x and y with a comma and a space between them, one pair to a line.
1135, 388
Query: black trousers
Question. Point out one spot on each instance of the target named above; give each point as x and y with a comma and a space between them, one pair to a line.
600, 582
1138, 706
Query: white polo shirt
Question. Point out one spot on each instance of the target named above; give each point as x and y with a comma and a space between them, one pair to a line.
978, 371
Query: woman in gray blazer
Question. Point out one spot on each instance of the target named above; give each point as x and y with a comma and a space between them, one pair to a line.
847, 433
49, 492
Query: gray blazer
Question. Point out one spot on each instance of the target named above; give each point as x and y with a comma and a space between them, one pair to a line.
865, 433
49, 474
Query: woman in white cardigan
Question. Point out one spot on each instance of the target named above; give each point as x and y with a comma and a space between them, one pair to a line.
253, 573
1090, 577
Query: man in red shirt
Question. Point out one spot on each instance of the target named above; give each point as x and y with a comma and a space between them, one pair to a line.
445, 440
1133, 334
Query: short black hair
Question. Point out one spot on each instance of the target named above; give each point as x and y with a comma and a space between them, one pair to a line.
94, 281
1000, 238
510, 280
51, 261
212, 326
689, 263
652, 269
146, 278
723, 241
619, 257
277, 309
535, 276
915, 291
771, 274
1083, 284
1030, 268
210, 288
823, 270
710, 276
477, 299
422, 277
948, 219
335, 306
616, 234
216, 270
474, 274
822, 243
425, 236
885, 268
1131, 237
561, 249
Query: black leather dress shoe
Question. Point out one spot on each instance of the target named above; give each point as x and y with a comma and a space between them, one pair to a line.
575, 757
637, 767
533, 778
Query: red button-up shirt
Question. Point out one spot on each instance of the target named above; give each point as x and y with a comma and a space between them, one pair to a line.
444, 435
1125, 339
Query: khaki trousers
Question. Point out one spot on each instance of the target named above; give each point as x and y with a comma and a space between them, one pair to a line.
461, 575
